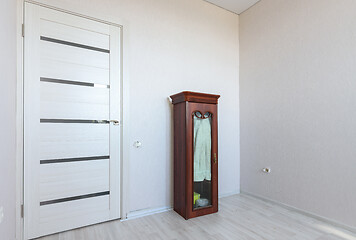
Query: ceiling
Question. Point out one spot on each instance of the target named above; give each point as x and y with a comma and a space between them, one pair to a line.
236, 6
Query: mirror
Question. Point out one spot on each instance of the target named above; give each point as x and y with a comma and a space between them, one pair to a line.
202, 160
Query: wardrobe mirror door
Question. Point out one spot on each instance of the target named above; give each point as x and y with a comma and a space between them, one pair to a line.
202, 160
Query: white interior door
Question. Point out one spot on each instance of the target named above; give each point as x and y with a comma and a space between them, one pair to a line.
71, 143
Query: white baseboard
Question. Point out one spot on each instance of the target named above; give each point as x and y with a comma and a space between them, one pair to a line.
229, 194
150, 211
146, 212
312, 215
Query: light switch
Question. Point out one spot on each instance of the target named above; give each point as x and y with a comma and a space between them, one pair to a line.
137, 144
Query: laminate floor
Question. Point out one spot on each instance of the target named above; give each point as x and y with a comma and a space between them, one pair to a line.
240, 217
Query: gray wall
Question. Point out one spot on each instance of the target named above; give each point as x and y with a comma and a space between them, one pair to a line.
8, 116
298, 104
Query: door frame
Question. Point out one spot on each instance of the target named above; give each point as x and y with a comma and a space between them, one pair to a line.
124, 105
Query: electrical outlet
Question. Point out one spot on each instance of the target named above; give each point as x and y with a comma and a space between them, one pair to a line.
266, 170
1, 214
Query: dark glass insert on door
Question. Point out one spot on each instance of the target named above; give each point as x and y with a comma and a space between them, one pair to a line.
202, 160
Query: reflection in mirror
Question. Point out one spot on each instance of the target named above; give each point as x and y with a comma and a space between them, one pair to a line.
202, 160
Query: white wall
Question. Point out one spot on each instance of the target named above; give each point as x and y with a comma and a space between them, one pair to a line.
8, 116
172, 45
298, 115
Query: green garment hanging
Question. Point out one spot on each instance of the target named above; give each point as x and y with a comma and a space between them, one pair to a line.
202, 149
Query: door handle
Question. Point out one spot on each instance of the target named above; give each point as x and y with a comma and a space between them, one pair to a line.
115, 122
215, 158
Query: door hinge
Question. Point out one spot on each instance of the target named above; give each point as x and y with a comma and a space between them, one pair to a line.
23, 30
22, 211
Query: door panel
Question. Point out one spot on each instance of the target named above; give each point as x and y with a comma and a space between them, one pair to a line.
72, 34
69, 215
73, 140
67, 179
202, 183
202, 155
74, 209
51, 68
74, 55
67, 101
71, 148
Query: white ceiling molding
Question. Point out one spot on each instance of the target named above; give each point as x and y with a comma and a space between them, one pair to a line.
236, 6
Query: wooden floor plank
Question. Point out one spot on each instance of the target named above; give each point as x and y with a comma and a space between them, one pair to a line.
240, 217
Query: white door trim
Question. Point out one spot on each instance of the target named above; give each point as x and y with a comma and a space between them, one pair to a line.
124, 104
19, 122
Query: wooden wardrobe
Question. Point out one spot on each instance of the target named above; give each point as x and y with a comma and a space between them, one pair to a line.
195, 153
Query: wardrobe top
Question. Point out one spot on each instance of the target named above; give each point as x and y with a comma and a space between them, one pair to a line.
196, 97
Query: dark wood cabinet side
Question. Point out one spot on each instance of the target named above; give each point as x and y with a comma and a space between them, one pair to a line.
179, 158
